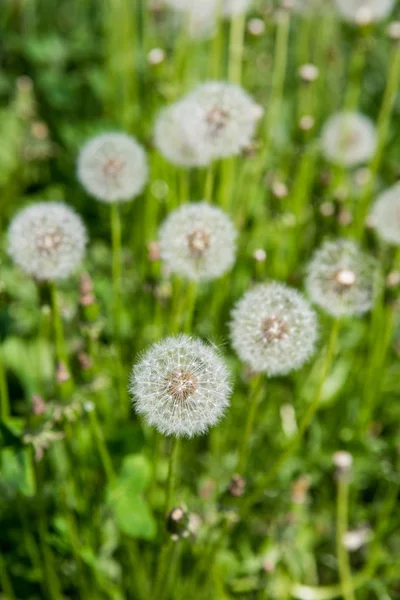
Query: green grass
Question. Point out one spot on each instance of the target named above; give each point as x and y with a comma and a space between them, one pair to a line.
87, 519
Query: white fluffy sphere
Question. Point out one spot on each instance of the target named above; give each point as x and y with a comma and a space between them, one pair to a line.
349, 139
342, 279
360, 11
47, 240
112, 167
198, 241
386, 215
181, 386
273, 329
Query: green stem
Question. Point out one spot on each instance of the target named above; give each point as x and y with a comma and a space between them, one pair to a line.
101, 445
236, 43
305, 422
5, 580
172, 475
389, 97
356, 69
116, 266
257, 388
61, 350
341, 528
4, 397
190, 305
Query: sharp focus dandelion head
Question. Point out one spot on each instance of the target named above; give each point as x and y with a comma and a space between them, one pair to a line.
198, 241
47, 240
342, 279
112, 167
273, 329
225, 120
364, 11
348, 139
386, 215
181, 386
172, 135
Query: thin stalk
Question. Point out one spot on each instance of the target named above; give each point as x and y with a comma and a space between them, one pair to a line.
341, 528
385, 114
305, 422
172, 475
5, 580
209, 183
257, 388
4, 396
101, 445
190, 305
61, 350
236, 43
116, 266
279, 73
356, 69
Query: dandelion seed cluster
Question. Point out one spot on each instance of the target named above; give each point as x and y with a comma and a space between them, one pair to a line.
273, 329
201, 17
198, 241
342, 279
386, 215
181, 386
349, 139
364, 10
47, 240
112, 167
215, 120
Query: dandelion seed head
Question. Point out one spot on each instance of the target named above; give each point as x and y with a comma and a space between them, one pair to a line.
363, 12
181, 386
112, 167
198, 241
348, 139
225, 119
47, 240
386, 215
342, 279
173, 138
273, 329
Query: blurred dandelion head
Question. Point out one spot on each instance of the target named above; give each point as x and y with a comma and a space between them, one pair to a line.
348, 139
112, 167
47, 240
224, 121
172, 135
273, 329
386, 215
201, 17
198, 241
181, 386
342, 279
364, 11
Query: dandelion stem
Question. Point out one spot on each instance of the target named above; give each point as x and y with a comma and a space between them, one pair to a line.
4, 397
236, 43
257, 389
172, 474
58, 328
305, 422
116, 266
382, 134
341, 528
101, 445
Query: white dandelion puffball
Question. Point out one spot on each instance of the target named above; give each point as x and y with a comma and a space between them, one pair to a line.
225, 120
172, 135
198, 241
364, 11
342, 279
231, 8
304, 6
349, 139
386, 215
47, 240
112, 167
273, 329
181, 386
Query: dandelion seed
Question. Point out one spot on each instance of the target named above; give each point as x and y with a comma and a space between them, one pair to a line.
348, 139
364, 11
181, 386
47, 240
226, 119
273, 329
112, 167
386, 215
198, 241
342, 279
